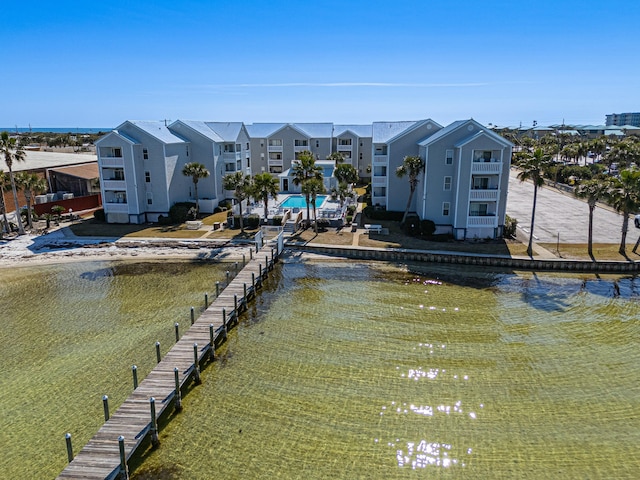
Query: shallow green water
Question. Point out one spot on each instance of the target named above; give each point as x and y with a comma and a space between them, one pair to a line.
346, 371
70, 334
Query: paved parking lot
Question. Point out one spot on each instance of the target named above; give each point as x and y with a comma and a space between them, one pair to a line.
562, 214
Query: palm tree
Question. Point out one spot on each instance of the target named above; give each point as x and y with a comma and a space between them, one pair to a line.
12, 152
311, 189
531, 168
591, 191
341, 192
196, 171
263, 187
241, 186
624, 195
5, 186
411, 167
337, 157
345, 173
31, 184
304, 170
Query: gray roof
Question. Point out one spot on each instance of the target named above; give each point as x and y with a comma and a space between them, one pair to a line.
228, 131
202, 128
263, 130
362, 131
158, 130
382, 132
459, 123
315, 130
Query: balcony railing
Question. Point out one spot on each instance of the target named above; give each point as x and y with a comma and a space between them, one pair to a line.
114, 185
486, 167
491, 195
380, 159
111, 207
274, 148
231, 156
378, 180
482, 221
111, 161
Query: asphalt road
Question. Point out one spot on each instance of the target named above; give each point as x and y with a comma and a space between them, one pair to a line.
562, 214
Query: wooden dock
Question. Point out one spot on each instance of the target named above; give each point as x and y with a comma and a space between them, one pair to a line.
108, 452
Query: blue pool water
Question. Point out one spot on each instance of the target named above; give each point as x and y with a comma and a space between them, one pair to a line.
298, 201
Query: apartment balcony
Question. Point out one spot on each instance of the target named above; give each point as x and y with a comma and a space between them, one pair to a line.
345, 148
114, 184
111, 161
492, 167
296, 148
278, 148
482, 221
490, 195
383, 159
231, 156
113, 207
379, 180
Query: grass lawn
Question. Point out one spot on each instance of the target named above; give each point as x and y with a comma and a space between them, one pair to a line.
601, 251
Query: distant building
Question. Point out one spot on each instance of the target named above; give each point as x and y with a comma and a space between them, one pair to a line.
620, 119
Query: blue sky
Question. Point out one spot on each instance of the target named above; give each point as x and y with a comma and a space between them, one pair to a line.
97, 63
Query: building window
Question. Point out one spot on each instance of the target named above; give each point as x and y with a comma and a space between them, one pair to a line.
248, 162
261, 144
344, 141
480, 183
482, 156
111, 152
478, 209
317, 143
147, 177
187, 150
447, 183
145, 154
449, 157
446, 206
360, 155
380, 171
275, 142
149, 199
379, 191
301, 143
238, 147
248, 146
275, 168
381, 150
229, 167
228, 148
275, 156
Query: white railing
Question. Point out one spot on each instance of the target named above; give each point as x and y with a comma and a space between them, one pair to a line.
380, 159
482, 167
114, 185
115, 207
378, 180
491, 195
484, 221
111, 161
344, 148
273, 148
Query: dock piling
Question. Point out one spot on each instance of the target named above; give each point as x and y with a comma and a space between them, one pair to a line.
67, 438
235, 268
105, 406
244, 260
251, 254
154, 425
212, 343
217, 289
193, 316
253, 283
206, 300
196, 365
134, 371
123, 459
158, 352
176, 373
228, 274
177, 327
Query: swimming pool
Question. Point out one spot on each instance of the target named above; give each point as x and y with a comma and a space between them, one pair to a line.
298, 201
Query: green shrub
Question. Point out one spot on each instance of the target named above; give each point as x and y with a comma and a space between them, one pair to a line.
510, 225
323, 224
277, 220
253, 221
427, 228
162, 220
99, 215
179, 212
349, 218
374, 214
351, 209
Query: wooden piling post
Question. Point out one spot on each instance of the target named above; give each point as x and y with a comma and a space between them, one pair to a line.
212, 343
253, 283
217, 289
196, 364
206, 300
158, 352
154, 426
178, 394
105, 406
177, 327
244, 286
123, 459
272, 256
224, 323
228, 273
134, 371
266, 262
235, 268
235, 305
251, 254
67, 438
193, 315
260, 270
244, 260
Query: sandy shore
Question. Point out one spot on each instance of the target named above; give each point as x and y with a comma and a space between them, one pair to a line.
57, 247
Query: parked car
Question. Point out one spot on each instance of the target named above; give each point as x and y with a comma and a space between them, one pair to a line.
636, 221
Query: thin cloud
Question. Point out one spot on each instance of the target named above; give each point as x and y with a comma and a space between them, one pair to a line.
347, 84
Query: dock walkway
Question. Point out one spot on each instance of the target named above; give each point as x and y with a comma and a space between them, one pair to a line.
107, 453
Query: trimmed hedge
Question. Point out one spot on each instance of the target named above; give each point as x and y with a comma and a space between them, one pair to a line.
99, 215
374, 214
179, 212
